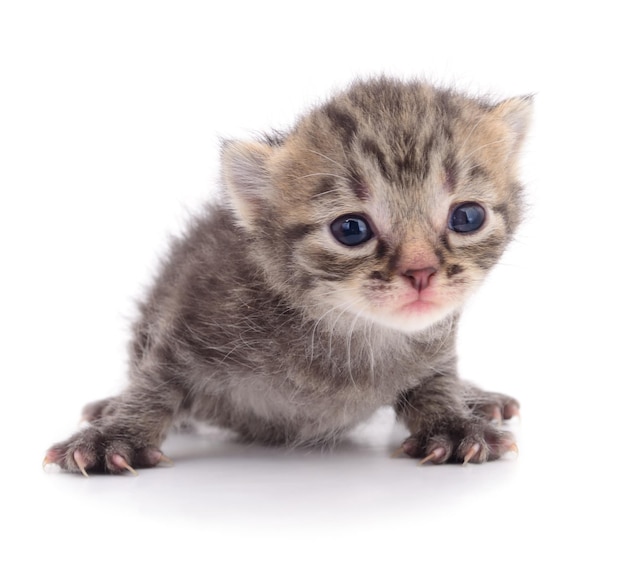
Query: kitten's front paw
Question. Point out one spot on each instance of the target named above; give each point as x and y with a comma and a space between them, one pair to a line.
460, 440
490, 405
105, 450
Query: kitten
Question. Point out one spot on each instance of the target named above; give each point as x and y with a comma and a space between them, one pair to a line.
327, 282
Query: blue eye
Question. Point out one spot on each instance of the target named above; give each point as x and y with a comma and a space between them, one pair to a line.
351, 230
466, 217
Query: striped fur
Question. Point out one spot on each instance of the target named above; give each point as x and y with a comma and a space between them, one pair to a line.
262, 322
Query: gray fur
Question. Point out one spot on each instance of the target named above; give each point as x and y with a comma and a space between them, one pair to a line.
260, 322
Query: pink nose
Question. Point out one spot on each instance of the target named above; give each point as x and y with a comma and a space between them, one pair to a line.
420, 278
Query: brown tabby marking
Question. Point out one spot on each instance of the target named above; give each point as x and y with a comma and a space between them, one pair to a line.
327, 282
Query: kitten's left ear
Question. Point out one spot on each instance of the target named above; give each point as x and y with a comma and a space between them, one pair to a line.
516, 114
246, 177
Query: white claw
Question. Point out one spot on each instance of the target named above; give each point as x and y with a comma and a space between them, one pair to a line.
471, 453
164, 459
437, 454
47, 461
398, 452
120, 461
496, 416
80, 462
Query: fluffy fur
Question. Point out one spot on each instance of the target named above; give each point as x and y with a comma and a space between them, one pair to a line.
263, 321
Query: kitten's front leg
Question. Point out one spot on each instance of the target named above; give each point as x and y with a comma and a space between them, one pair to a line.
450, 421
125, 436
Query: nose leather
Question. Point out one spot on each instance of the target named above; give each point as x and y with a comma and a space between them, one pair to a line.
420, 278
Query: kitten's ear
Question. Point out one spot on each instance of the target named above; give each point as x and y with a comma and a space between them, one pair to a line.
516, 114
246, 178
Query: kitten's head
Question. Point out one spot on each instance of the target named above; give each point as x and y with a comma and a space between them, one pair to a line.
391, 202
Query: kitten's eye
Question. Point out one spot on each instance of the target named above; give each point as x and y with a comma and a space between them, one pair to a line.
351, 230
466, 217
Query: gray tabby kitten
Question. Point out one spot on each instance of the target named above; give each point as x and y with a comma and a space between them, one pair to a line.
328, 282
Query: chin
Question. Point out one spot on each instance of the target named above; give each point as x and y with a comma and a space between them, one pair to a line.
410, 318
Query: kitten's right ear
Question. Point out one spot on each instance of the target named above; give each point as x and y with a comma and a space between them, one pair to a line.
246, 177
516, 113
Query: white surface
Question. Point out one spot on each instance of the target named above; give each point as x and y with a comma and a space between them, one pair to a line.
110, 115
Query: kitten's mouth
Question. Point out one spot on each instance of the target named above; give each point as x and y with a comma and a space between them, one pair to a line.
407, 309
418, 305
418, 298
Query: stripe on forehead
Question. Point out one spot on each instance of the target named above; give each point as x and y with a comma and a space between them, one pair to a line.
372, 150
342, 121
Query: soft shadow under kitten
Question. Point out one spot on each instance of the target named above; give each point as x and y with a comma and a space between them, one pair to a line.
326, 282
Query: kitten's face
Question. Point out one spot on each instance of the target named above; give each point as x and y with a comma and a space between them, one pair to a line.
390, 203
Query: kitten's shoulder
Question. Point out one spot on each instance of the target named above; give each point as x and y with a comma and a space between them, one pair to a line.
211, 241
206, 267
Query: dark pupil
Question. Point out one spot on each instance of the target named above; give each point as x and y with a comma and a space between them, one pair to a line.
351, 231
467, 217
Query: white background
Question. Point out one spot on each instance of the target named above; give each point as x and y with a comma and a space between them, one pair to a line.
110, 119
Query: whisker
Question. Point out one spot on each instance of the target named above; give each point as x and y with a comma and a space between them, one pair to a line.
326, 193
321, 174
333, 161
467, 137
467, 156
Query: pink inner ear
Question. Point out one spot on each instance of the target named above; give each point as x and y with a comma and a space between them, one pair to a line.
516, 112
